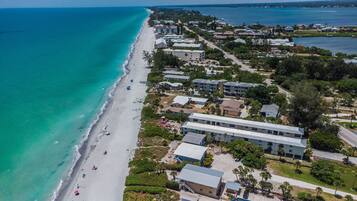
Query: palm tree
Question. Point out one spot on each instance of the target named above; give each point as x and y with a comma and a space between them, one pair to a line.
281, 151
252, 182
236, 172
318, 191
265, 175
147, 57
347, 152
286, 189
297, 166
266, 187
336, 183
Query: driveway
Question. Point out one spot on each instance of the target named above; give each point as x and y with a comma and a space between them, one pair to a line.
348, 136
331, 156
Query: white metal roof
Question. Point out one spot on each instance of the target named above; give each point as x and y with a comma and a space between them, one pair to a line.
187, 45
173, 72
190, 151
178, 77
206, 81
246, 134
184, 51
240, 84
248, 123
186, 40
194, 138
273, 108
201, 175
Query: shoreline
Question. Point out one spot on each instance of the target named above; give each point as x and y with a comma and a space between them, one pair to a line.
91, 139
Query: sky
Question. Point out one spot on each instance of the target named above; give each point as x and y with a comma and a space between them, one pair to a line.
101, 3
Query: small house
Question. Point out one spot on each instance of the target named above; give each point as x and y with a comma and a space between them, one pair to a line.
201, 180
271, 110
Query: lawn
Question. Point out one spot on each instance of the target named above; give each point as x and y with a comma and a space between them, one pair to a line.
326, 196
352, 125
288, 170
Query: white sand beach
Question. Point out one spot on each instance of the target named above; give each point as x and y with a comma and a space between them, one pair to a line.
122, 120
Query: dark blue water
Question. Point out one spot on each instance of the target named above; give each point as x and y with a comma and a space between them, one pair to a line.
334, 44
282, 16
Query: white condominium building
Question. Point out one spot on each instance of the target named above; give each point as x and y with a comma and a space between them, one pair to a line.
293, 147
187, 55
207, 86
256, 126
271, 137
237, 88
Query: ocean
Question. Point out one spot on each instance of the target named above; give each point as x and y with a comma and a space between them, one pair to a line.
56, 68
346, 45
281, 16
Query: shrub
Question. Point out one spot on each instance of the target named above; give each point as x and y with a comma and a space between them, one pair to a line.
325, 141
148, 113
325, 171
146, 189
173, 185
176, 166
146, 179
140, 166
208, 160
303, 196
250, 154
152, 130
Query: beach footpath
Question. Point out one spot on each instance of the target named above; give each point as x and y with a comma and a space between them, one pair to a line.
100, 173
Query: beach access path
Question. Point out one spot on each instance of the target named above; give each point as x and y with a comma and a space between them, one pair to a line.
121, 120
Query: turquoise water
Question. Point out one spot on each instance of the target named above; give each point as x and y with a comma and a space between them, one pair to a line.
282, 16
56, 66
334, 44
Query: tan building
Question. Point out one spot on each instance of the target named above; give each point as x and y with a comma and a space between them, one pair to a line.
230, 108
201, 180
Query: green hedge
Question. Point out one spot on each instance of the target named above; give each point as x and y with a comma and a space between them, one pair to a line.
173, 185
147, 179
140, 166
146, 189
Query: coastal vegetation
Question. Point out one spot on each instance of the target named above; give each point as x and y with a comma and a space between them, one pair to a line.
322, 173
249, 154
308, 75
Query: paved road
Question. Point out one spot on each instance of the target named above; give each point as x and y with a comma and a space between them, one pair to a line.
332, 156
244, 67
227, 55
348, 136
226, 163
